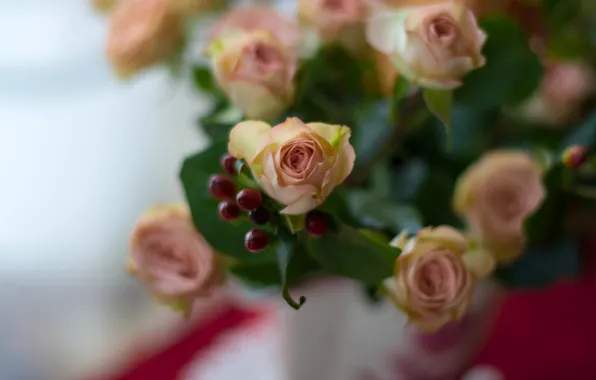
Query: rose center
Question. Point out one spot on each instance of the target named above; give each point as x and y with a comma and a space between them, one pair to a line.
442, 30
333, 5
432, 278
298, 157
265, 57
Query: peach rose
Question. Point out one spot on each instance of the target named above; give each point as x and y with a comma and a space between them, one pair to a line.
297, 164
243, 20
559, 99
172, 258
142, 33
435, 276
256, 72
496, 195
331, 17
432, 45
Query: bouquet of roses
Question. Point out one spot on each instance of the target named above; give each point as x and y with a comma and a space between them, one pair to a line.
413, 146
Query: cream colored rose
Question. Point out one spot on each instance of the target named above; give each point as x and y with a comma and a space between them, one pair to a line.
256, 72
258, 18
432, 45
331, 17
565, 86
496, 195
296, 164
435, 276
172, 258
142, 33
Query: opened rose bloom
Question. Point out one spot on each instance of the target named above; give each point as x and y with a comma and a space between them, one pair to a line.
331, 17
432, 45
172, 258
142, 33
496, 196
565, 87
256, 72
296, 164
435, 276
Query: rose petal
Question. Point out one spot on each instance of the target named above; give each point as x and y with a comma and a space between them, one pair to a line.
302, 205
246, 137
384, 31
332, 133
255, 100
447, 236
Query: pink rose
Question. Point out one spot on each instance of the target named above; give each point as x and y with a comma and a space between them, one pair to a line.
256, 71
496, 195
331, 17
142, 33
242, 20
435, 276
297, 164
559, 99
432, 45
172, 258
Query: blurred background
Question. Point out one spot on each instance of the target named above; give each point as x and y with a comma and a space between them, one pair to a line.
81, 156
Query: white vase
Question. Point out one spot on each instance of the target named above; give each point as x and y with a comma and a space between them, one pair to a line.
81, 156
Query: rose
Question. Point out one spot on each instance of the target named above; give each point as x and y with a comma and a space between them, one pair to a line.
256, 72
242, 20
435, 276
331, 17
142, 33
432, 45
297, 164
559, 99
172, 258
496, 195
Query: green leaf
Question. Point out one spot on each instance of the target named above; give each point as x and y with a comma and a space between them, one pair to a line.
401, 90
294, 262
226, 238
203, 80
258, 274
439, 104
543, 265
348, 252
434, 197
218, 123
372, 128
511, 73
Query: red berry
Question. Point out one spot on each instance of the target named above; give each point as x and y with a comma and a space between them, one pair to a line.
259, 215
249, 199
228, 210
228, 162
221, 187
256, 240
316, 223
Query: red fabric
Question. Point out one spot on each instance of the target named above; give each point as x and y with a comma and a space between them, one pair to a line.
167, 364
547, 334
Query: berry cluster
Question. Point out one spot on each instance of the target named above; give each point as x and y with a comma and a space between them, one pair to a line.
250, 200
232, 204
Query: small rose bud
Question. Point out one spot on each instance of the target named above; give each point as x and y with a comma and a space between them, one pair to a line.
432, 45
575, 156
141, 34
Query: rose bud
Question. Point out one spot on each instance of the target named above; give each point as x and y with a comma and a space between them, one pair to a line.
172, 258
141, 34
249, 19
432, 45
435, 276
332, 17
575, 156
256, 72
496, 195
296, 164
559, 98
